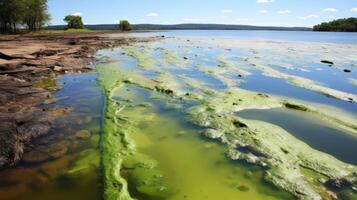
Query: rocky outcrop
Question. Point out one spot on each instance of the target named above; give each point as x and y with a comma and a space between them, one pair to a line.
27, 63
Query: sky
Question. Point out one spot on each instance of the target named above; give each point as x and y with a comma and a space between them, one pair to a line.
248, 12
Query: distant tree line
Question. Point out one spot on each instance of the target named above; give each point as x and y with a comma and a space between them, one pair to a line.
340, 25
19, 14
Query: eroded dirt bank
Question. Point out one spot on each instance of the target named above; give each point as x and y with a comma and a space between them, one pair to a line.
29, 65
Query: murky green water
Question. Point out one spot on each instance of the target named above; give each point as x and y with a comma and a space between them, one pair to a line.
193, 167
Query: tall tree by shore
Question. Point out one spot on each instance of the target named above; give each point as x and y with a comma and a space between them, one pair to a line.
15, 14
35, 15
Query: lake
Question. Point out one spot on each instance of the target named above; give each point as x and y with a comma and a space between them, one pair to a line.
297, 36
202, 115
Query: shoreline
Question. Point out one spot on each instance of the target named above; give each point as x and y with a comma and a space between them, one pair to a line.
28, 73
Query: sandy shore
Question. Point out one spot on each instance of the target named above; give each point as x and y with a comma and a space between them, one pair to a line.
29, 65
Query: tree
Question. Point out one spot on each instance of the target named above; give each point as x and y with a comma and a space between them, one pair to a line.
124, 25
35, 15
11, 14
340, 25
15, 14
74, 21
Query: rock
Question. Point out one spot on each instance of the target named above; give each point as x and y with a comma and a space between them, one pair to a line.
35, 156
338, 183
263, 95
73, 42
243, 188
354, 174
212, 133
58, 69
82, 134
44, 153
295, 107
327, 62
239, 124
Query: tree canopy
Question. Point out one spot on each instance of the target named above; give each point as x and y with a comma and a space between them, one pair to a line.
15, 14
340, 25
124, 25
74, 21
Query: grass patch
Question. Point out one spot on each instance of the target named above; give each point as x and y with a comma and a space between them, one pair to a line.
55, 32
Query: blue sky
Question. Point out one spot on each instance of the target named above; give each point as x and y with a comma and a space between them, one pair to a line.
252, 12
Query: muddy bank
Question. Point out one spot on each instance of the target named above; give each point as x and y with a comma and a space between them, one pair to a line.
29, 65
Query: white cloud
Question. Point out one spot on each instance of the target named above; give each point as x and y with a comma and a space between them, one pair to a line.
309, 17
330, 10
227, 11
354, 10
152, 14
284, 12
263, 11
77, 14
265, 1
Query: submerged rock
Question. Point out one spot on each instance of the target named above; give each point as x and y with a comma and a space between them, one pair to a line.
44, 153
82, 134
243, 188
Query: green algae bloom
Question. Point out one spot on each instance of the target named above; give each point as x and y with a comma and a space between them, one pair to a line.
131, 119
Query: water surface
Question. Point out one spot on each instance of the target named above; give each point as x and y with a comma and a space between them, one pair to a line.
308, 128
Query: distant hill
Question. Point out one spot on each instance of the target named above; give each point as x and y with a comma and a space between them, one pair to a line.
188, 27
340, 25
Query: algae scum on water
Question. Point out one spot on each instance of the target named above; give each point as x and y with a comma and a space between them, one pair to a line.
174, 126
